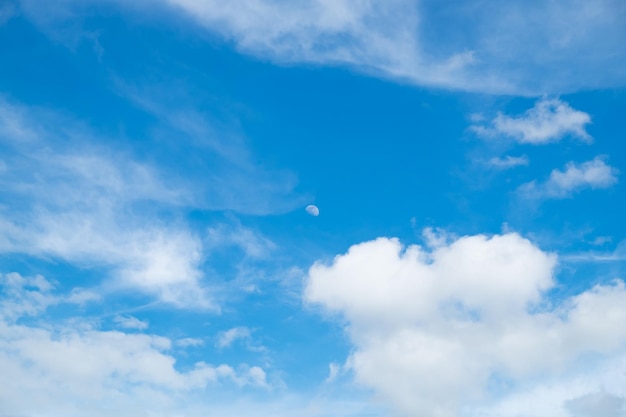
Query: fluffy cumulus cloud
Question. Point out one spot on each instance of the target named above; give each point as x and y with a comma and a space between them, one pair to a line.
594, 174
464, 328
73, 367
99, 368
550, 120
31, 295
68, 368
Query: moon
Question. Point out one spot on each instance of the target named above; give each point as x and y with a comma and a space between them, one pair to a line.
312, 210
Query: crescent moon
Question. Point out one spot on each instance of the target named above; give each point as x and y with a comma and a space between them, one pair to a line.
312, 210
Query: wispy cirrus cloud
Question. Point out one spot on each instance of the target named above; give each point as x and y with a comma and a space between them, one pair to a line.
77, 198
550, 120
599, 256
240, 334
187, 342
254, 244
507, 162
572, 46
594, 174
227, 338
227, 176
427, 43
72, 198
130, 322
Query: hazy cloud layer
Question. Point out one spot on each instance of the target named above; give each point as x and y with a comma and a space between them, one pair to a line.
597, 404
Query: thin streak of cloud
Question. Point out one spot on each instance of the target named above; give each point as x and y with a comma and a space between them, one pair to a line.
616, 255
508, 162
130, 322
189, 342
253, 243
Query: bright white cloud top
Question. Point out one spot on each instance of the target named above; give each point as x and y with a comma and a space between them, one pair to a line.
467, 328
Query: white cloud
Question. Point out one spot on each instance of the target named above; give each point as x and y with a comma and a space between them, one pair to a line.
616, 255
253, 243
466, 328
550, 120
333, 371
436, 237
601, 240
89, 203
130, 322
189, 342
82, 296
600, 404
430, 44
91, 206
594, 174
227, 338
508, 161
73, 368
374, 37
27, 295
573, 45
228, 177
77, 369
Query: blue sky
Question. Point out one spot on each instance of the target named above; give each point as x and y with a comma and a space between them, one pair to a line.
156, 160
